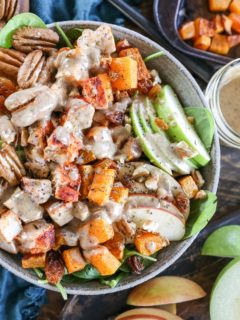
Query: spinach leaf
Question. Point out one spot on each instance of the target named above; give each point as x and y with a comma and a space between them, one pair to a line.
113, 281
63, 35
203, 124
18, 21
202, 211
129, 252
154, 56
74, 33
88, 273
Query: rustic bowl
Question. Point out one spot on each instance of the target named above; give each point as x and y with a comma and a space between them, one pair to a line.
174, 73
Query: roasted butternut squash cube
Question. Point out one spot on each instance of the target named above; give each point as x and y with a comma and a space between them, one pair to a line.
105, 164
235, 6
134, 53
103, 260
227, 24
97, 231
219, 44
202, 43
218, 23
97, 91
87, 173
101, 186
233, 40
235, 21
123, 73
218, 5
85, 157
203, 27
187, 30
148, 243
119, 194
30, 261
116, 245
73, 260
189, 186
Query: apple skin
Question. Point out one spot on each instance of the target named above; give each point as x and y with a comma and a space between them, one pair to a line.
165, 290
147, 314
172, 308
225, 296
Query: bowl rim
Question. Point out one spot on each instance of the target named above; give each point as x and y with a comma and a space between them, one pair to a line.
105, 290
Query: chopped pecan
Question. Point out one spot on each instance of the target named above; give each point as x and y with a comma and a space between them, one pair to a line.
115, 117
34, 69
28, 39
11, 168
54, 268
124, 227
10, 62
145, 85
8, 8
135, 264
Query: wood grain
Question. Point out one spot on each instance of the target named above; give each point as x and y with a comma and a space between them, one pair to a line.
203, 270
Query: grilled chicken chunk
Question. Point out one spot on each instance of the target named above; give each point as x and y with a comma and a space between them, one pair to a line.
9, 246
22, 204
36, 237
39, 190
60, 212
10, 226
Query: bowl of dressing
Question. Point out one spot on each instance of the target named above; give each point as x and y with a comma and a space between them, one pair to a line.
223, 95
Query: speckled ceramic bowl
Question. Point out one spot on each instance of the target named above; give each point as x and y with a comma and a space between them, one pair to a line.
174, 73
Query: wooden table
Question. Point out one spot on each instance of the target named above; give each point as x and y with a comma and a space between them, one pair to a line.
203, 270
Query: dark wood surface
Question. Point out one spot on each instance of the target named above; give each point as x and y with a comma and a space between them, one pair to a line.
203, 270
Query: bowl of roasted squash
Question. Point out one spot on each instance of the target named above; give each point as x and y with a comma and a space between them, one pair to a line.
109, 159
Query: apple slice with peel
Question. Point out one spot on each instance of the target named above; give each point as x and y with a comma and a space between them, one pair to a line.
225, 297
147, 314
172, 308
169, 225
165, 290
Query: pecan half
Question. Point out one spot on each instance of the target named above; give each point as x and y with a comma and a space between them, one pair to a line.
35, 69
10, 62
135, 264
8, 8
28, 39
54, 268
11, 168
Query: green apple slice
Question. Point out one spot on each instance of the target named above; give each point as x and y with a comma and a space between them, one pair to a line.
229, 239
142, 118
225, 297
170, 110
150, 150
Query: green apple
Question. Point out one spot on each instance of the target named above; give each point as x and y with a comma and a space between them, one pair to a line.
225, 297
168, 108
224, 242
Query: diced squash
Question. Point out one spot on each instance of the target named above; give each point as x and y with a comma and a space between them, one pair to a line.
218, 23
87, 173
189, 186
116, 245
98, 230
219, 44
134, 53
97, 91
233, 40
235, 21
235, 6
219, 5
148, 243
124, 73
85, 157
119, 194
73, 260
103, 260
105, 164
202, 43
227, 24
204, 27
155, 90
187, 30
34, 260
101, 186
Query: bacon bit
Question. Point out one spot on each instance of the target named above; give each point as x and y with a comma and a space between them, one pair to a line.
161, 124
54, 269
122, 44
145, 85
115, 117
154, 91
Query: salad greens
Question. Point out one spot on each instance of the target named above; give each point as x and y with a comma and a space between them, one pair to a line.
229, 239
202, 210
154, 56
74, 33
64, 36
19, 21
203, 124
